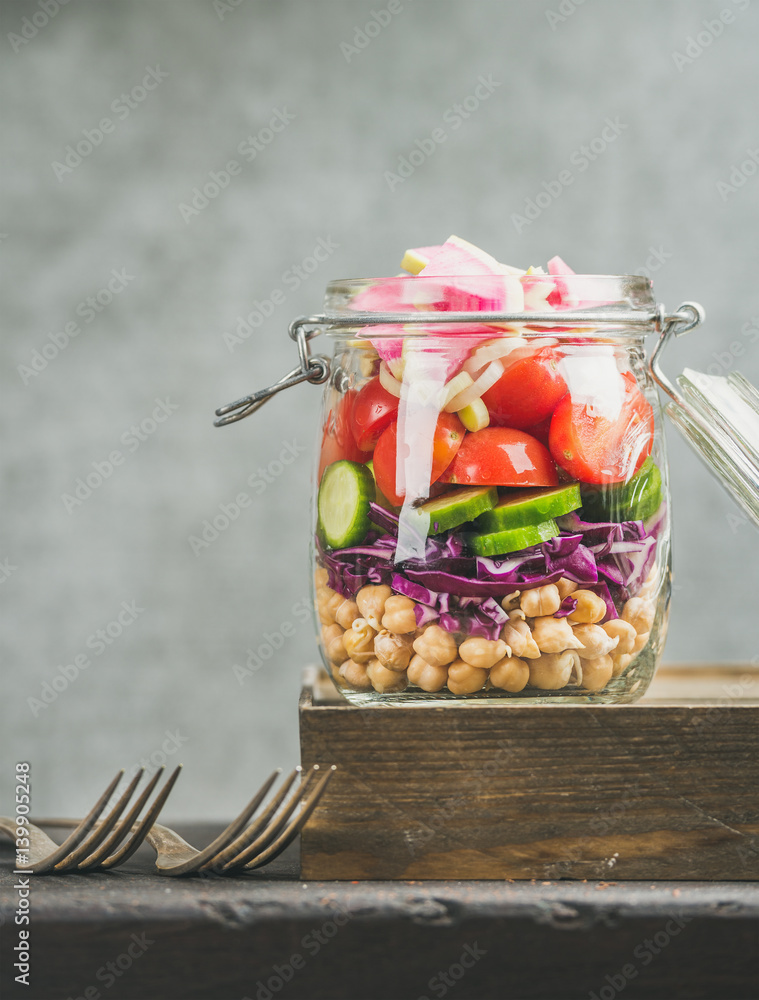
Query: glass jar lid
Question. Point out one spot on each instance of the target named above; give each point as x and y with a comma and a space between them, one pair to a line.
719, 417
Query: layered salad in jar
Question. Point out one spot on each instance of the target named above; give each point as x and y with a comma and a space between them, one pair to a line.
491, 509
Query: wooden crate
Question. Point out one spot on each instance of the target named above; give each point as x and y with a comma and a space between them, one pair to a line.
666, 788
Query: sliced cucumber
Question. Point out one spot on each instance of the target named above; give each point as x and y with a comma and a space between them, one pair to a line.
498, 543
530, 507
634, 500
379, 496
345, 492
457, 507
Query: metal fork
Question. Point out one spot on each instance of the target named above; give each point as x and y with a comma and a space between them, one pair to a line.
238, 847
93, 844
241, 847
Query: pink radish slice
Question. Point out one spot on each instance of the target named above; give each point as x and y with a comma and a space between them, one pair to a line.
421, 254
403, 295
579, 291
392, 296
453, 342
385, 340
427, 251
557, 266
537, 292
458, 257
460, 260
562, 295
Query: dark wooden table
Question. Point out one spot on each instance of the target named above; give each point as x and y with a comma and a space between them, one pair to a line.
130, 934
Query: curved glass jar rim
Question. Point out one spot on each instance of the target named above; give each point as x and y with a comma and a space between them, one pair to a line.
543, 294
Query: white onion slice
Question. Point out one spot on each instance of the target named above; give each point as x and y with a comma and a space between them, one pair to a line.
492, 350
488, 379
387, 381
539, 342
456, 385
395, 366
519, 350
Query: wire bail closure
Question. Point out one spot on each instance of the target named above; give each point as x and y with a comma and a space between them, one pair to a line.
687, 318
316, 369
310, 369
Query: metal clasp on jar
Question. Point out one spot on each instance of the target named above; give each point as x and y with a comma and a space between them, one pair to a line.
310, 369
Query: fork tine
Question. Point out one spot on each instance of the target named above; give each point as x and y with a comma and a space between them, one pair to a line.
250, 844
102, 830
226, 835
128, 849
271, 831
75, 838
94, 859
294, 826
218, 860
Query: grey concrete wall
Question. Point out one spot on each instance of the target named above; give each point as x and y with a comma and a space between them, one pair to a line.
561, 71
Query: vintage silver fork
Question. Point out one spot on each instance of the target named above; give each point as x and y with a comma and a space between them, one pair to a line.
238, 847
242, 847
94, 843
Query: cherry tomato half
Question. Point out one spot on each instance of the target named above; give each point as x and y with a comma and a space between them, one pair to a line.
596, 449
374, 409
449, 433
501, 456
541, 430
527, 392
338, 441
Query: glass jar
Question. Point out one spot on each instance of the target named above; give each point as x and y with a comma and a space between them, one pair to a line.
481, 567
491, 511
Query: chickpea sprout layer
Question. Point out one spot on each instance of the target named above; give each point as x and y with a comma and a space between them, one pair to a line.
373, 643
